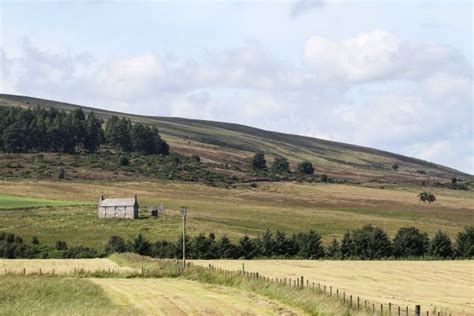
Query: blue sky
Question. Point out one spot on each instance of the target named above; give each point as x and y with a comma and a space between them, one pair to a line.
392, 75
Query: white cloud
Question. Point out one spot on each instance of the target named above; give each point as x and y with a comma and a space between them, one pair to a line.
379, 55
300, 7
127, 78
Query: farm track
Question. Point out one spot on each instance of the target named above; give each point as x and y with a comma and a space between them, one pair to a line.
183, 297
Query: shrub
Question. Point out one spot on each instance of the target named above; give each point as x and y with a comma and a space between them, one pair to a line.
281, 165
395, 166
115, 244
305, 167
334, 249
324, 178
441, 246
371, 242
61, 173
427, 197
464, 246
409, 242
61, 245
259, 162
123, 161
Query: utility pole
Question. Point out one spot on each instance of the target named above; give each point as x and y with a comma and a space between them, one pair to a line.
184, 212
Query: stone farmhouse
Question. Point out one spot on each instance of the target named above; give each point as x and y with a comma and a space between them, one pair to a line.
118, 208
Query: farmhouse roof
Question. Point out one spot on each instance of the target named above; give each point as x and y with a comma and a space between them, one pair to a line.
118, 202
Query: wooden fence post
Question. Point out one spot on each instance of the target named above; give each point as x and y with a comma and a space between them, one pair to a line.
40, 271
351, 300
24, 271
337, 293
417, 310
399, 311
407, 311
344, 297
358, 303
381, 309
330, 291
302, 282
390, 308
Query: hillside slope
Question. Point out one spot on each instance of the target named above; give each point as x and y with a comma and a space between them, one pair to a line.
220, 143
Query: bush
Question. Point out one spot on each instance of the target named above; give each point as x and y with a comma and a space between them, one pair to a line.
371, 242
116, 244
305, 168
395, 166
464, 247
61, 173
324, 178
427, 197
259, 162
441, 246
281, 165
123, 161
409, 242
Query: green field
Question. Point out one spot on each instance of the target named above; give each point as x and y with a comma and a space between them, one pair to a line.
20, 202
329, 208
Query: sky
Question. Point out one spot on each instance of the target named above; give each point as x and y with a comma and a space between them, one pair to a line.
393, 75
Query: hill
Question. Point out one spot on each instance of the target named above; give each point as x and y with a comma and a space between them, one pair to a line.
226, 148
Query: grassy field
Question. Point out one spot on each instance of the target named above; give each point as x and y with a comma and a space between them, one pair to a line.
15, 202
56, 296
291, 207
438, 285
60, 266
183, 297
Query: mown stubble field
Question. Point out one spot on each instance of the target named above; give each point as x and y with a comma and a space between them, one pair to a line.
440, 285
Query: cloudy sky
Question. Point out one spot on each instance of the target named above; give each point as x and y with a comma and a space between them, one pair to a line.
394, 75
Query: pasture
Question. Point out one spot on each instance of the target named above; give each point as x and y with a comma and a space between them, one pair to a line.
329, 208
18, 202
438, 285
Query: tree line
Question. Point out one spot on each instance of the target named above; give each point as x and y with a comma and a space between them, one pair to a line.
38, 129
366, 243
280, 165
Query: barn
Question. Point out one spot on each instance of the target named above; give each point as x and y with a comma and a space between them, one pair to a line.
118, 208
